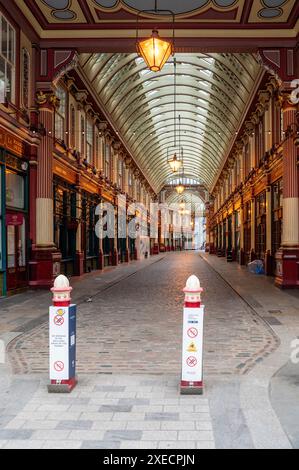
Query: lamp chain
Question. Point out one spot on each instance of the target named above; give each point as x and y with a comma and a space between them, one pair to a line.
174, 104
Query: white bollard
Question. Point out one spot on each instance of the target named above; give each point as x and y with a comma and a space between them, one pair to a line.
62, 338
192, 351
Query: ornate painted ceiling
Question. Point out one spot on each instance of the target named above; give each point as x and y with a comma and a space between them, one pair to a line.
85, 21
212, 95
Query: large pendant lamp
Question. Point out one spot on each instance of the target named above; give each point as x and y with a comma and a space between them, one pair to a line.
155, 51
180, 188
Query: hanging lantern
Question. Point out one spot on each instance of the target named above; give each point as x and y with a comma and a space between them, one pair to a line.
155, 51
175, 163
180, 188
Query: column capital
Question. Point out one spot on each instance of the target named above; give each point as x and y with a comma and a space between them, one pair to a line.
47, 100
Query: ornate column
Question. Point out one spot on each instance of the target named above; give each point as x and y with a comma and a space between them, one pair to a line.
45, 262
287, 258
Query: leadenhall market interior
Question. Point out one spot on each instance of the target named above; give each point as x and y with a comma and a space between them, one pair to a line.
85, 119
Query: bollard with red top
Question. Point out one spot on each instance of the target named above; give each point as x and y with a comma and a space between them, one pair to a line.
62, 338
192, 352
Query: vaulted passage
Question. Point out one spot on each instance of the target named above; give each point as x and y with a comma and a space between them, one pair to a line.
212, 94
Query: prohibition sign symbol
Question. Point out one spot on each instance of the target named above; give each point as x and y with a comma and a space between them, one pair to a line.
58, 366
58, 320
192, 332
191, 361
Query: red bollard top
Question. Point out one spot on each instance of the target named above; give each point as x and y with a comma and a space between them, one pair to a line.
61, 291
192, 292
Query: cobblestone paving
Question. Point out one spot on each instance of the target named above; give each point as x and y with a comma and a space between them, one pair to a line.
135, 326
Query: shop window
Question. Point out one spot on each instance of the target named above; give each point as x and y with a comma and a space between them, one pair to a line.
89, 142
73, 127
90, 239
130, 183
138, 191
277, 202
1, 219
261, 205
259, 141
247, 163
25, 78
107, 160
65, 222
60, 115
7, 61
120, 173
82, 128
261, 225
247, 227
15, 190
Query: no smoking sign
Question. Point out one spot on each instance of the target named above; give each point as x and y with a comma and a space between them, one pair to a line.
58, 320
192, 332
59, 366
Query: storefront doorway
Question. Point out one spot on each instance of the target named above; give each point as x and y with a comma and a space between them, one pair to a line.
16, 250
16, 230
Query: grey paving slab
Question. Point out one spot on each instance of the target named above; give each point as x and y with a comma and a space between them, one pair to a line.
79, 424
100, 445
162, 416
120, 435
16, 434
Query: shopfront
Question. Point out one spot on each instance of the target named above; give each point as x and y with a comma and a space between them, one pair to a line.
277, 201
65, 224
90, 241
237, 236
260, 226
247, 231
2, 229
16, 223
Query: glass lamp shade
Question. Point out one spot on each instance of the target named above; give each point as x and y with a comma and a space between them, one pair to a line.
180, 189
155, 51
174, 163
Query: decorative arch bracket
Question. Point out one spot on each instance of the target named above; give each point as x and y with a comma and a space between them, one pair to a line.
282, 62
54, 63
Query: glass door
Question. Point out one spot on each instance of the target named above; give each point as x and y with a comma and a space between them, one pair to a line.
16, 251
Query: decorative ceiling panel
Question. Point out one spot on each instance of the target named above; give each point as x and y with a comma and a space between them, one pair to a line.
209, 13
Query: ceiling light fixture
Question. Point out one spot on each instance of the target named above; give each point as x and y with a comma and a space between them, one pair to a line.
155, 51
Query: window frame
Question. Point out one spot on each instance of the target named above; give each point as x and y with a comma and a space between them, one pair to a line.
11, 61
60, 117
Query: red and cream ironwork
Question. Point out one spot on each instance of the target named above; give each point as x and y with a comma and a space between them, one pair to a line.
193, 292
61, 291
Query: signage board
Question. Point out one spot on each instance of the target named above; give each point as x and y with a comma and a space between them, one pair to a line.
192, 352
62, 340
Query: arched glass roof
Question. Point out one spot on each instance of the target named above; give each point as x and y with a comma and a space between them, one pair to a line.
212, 93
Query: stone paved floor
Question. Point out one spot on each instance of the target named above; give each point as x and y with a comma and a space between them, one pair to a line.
135, 326
129, 340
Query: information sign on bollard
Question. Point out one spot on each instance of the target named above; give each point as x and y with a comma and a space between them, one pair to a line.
192, 352
62, 338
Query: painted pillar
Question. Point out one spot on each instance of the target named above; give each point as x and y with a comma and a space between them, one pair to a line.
287, 257
45, 262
